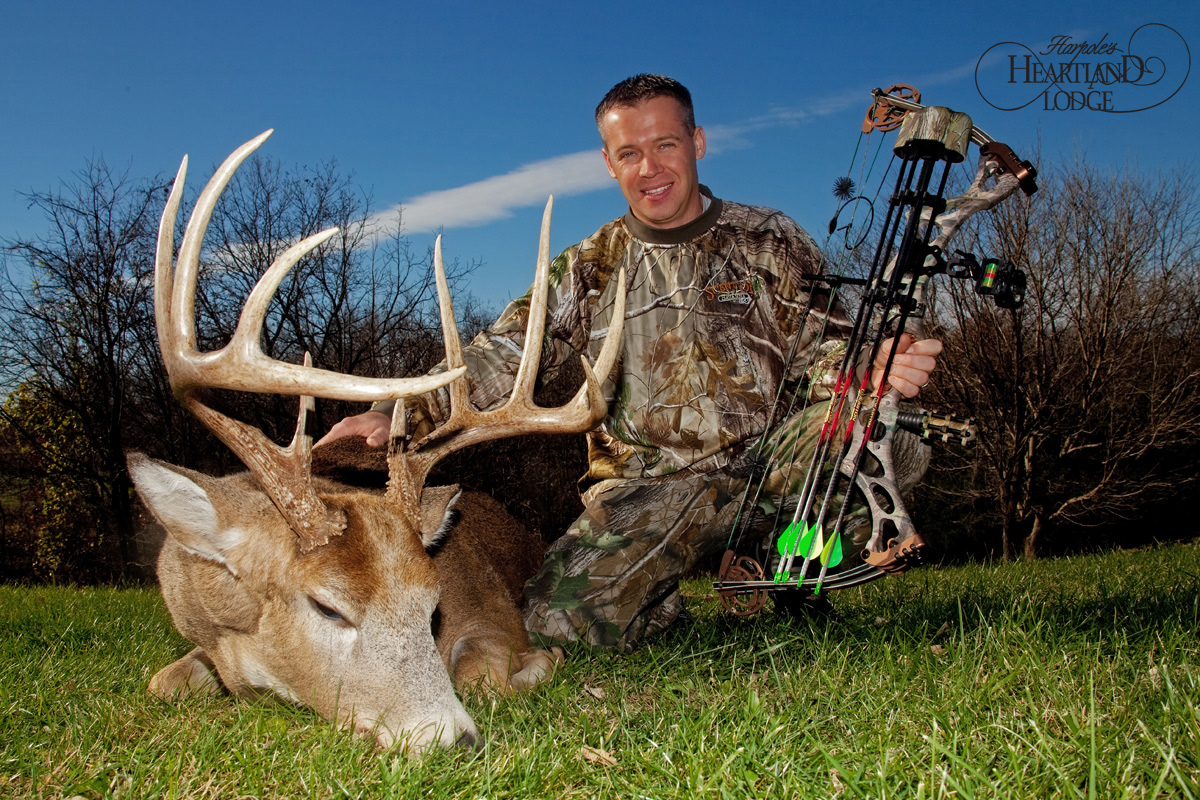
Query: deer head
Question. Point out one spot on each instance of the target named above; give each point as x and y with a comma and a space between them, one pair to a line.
304, 588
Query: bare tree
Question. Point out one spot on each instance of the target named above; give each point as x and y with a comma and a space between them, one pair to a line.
1088, 397
76, 302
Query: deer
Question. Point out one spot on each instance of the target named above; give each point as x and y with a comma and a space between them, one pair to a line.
370, 607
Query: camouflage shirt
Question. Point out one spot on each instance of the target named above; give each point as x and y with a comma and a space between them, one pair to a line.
710, 322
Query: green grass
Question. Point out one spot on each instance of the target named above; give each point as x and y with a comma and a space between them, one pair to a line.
1064, 678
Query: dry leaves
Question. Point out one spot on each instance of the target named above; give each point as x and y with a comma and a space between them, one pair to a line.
836, 779
594, 755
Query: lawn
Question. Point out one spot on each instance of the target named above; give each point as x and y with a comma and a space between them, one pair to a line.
1073, 677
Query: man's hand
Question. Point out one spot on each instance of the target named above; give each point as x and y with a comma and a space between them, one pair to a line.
371, 425
914, 361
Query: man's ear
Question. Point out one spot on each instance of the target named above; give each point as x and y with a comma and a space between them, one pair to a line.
607, 163
697, 141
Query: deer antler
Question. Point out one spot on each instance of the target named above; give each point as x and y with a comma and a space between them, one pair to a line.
519, 415
241, 365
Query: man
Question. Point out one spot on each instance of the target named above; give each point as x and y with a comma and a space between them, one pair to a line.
715, 292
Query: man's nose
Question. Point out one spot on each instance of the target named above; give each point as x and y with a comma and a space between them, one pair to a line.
650, 166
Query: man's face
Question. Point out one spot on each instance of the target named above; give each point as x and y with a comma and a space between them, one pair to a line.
649, 151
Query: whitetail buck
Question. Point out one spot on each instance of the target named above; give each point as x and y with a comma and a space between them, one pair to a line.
327, 595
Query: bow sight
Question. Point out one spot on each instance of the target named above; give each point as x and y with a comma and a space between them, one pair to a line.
995, 278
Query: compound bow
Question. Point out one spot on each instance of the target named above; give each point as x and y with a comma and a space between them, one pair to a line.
853, 456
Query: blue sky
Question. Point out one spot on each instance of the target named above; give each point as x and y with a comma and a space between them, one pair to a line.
468, 114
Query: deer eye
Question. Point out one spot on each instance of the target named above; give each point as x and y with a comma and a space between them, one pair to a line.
325, 611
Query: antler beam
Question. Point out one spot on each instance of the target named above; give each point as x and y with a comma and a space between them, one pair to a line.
241, 365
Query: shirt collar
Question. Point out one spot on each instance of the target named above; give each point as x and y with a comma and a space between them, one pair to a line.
683, 233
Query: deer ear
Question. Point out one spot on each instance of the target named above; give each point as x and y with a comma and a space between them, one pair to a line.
182, 506
438, 514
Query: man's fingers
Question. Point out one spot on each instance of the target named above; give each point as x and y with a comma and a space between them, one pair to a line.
912, 365
371, 425
908, 381
925, 347
336, 432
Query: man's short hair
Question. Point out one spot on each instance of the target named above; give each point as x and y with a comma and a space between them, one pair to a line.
640, 88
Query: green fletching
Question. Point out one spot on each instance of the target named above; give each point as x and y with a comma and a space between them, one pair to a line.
813, 541
831, 555
787, 539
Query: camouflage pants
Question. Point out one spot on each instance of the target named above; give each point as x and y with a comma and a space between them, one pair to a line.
613, 577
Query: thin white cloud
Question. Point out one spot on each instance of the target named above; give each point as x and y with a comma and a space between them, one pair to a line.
494, 198
735, 136
952, 75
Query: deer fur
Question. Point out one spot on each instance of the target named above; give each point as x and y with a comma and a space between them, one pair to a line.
422, 611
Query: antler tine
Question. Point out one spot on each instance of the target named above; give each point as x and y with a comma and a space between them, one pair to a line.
607, 360
519, 415
459, 391
164, 278
249, 328
526, 377
300, 447
183, 288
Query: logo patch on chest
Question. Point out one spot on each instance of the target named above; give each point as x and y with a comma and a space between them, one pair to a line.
739, 292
